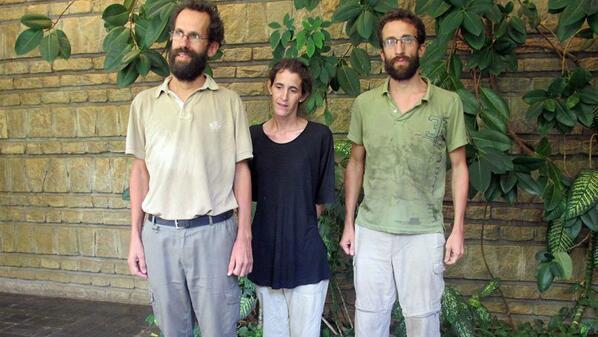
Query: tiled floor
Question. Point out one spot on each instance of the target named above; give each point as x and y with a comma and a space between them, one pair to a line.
23, 315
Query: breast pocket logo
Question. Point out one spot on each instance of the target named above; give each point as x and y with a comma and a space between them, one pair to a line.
215, 125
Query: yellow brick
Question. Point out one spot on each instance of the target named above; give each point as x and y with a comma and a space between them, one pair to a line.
17, 122
119, 174
51, 81
3, 124
34, 148
97, 95
50, 263
253, 71
106, 243
86, 121
116, 217
10, 99
72, 265
80, 173
84, 79
71, 216
102, 182
54, 216
40, 123
78, 96
56, 177
78, 201
86, 243
262, 53
6, 83
64, 122
248, 88
122, 282
117, 95
224, 72
12, 148
16, 67
40, 67
100, 281
23, 239
90, 266
55, 97
15, 176
78, 7
107, 121
74, 147
66, 241
98, 146
236, 54
72, 64
36, 215
92, 216
43, 238
31, 98
7, 238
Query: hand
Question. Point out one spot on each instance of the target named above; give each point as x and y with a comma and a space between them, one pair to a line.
348, 240
454, 248
136, 258
241, 258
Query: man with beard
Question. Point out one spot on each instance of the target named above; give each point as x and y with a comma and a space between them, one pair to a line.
190, 142
401, 134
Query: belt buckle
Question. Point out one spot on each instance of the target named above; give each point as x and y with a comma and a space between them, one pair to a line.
176, 224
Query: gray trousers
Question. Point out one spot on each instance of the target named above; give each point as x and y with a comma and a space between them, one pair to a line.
410, 265
187, 277
294, 312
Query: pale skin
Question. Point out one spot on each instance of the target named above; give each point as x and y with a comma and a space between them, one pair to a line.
406, 94
285, 125
241, 260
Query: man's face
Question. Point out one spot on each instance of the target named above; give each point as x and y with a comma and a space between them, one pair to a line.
401, 51
190, 48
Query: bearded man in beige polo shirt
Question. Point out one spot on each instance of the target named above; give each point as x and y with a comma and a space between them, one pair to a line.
190, 142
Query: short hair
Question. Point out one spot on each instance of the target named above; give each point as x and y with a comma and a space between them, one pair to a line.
400, 14
216, 28
297, 67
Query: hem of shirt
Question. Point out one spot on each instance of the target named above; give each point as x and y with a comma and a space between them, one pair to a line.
290, 285
136, 154
456, 147
436, 228
244, 156
352, 138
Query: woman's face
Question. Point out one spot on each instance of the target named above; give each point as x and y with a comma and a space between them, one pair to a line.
286, 93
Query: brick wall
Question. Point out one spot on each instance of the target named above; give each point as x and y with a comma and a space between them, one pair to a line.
64, 226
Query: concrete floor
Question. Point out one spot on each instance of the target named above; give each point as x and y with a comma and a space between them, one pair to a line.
24, 315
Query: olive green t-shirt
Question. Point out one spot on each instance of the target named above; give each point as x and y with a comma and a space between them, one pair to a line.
190, 148
405, 161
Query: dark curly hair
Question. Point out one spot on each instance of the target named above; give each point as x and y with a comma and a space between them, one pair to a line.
216, 28
400, 14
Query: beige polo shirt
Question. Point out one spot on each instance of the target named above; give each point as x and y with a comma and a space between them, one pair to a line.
190, 148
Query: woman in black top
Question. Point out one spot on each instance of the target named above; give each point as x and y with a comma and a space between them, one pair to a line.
292, 173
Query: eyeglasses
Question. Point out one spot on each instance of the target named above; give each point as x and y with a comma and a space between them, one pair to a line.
192, 36
406, 41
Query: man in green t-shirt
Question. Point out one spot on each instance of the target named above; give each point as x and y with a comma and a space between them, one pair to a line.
401, 134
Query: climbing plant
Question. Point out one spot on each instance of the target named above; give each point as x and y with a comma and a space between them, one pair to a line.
475, 40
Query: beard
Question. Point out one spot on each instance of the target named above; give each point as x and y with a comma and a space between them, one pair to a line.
190, 70
402, 73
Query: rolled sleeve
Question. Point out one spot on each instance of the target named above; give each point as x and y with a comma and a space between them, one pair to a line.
135, 140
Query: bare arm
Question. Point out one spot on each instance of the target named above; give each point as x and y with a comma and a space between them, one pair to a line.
460, 186
319, 209
241, 260
353, 182
138, 187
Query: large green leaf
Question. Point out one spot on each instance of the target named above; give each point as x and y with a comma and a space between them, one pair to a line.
154, 30
64, 45
144, 64
127, 76
365, 24
49, 47
479, 175
360, 61
473, 23
348, 80
589, 95
558, 237
565, 116
495, 103
565, 263
528, 184
489, 138
451, 22
590, 219
493, 120
470, 103
544, 277
583, 194
580, 77
534, 96
557, 6
497, 161
508, 181
28, 40
116, 36
116, 15
36, 21
349, 9
157, 7
158, 63
476, 42
113, 60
